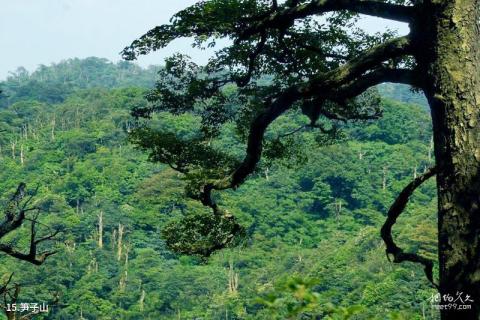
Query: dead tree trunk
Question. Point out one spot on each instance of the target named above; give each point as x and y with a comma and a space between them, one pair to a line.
114, 239
22, 155
361, 154
384, 177
100, 230
13, 144
52, 132
232, 279
122, 284
119, 241
141, 302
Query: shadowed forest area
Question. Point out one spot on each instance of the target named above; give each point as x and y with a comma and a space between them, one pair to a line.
312, 222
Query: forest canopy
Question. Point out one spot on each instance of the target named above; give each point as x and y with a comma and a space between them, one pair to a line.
319, 216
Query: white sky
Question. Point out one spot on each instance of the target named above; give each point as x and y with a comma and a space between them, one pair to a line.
34, 32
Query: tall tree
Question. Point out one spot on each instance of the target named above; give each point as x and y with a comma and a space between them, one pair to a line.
317, 60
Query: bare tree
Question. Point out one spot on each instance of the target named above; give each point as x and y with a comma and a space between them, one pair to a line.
15, 215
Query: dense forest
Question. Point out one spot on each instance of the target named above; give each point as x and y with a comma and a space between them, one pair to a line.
312, 247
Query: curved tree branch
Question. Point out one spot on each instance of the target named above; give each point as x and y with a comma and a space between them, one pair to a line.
31, 256
323, 86
243, 81
369, 60
292, 132
285, 17
220, 19
395, 210
381, 75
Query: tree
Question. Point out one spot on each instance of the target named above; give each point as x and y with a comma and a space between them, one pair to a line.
15, 215
284, 58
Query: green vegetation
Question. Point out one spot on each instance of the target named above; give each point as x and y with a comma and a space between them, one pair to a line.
322, 64
312, 248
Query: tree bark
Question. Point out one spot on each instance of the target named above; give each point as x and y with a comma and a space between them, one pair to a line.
451, 57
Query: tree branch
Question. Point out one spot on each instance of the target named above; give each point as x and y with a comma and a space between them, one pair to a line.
323, 86
369, 60
292, 132
31, 256
243, 81
381, 75
4, 287
395, 210
285, 17
15, 216
322, 53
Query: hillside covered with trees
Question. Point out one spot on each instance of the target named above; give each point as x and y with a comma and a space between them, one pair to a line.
311, 249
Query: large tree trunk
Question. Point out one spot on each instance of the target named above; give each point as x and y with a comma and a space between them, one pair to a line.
452, 68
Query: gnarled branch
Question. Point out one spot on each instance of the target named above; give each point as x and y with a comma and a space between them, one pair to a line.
281, 19
393, 213
324, 86
15, 216
371, 59
243, 81
32, 256
381, 75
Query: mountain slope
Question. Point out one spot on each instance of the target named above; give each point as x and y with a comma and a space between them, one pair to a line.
313, 244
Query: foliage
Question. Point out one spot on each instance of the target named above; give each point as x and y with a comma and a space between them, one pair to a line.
54, 83
311, 246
